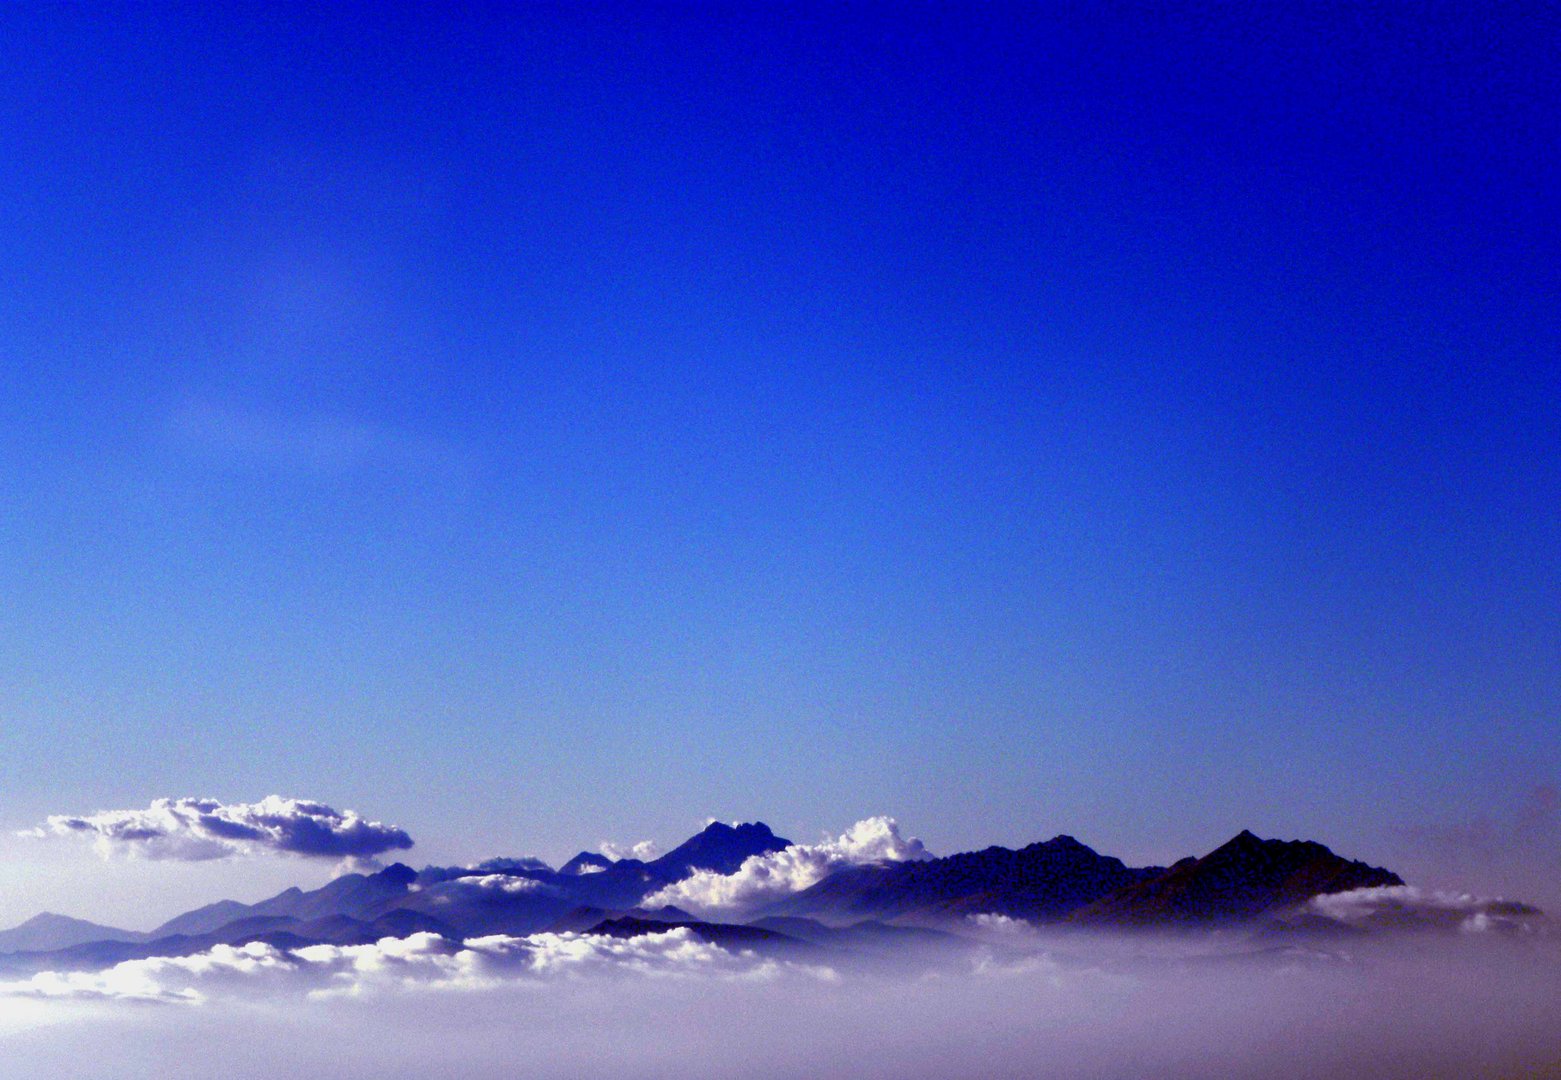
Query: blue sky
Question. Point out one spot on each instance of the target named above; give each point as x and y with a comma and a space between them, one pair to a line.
531, 426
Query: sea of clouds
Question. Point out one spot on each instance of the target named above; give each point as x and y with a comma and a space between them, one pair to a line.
1401, 982
1021, 1002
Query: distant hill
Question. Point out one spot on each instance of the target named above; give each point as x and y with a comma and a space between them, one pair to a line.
47, 931
203, 920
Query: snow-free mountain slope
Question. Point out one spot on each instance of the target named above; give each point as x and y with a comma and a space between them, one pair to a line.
1241, 879
47, 931
1043, 881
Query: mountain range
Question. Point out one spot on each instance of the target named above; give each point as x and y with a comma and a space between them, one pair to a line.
873, 906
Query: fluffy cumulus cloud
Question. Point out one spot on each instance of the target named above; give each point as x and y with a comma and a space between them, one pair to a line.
421, 961
1410, 906
778, 873
534, 870
508, 884
195, 829
645, 850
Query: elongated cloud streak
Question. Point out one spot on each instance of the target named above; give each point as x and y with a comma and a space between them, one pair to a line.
767, 877
197, 829
1409, 905
396, 964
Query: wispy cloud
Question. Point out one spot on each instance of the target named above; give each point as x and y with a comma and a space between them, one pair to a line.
193, 829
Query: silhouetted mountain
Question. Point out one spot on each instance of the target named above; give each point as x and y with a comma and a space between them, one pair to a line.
402, 923
1243, 878
499, 896
362, 896
1042, 881
203, 920
721, 848
46, 931
581, 919
1057, 880
239, 930
623, 884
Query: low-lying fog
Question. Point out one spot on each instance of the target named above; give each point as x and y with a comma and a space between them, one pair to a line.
1018, 1003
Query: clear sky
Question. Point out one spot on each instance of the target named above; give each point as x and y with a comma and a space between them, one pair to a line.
538, 424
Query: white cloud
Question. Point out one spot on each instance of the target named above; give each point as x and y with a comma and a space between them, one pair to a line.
1414, 906
644, 850
421, 960
779, 873
504, 883
557, 1007
196, 829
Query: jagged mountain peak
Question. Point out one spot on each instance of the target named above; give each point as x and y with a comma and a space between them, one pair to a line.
397, 874
1242, 878
1049, 880
720, 848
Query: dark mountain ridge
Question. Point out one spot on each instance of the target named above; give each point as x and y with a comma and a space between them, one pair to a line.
1043, 881
1241, 879
720, 848
1058, 881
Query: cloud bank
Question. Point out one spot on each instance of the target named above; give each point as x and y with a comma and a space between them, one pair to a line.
197, 829
779, 873
421, 961
1409, 905
667, 1005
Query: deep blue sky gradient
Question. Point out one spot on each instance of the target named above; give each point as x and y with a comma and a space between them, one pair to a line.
532, 424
